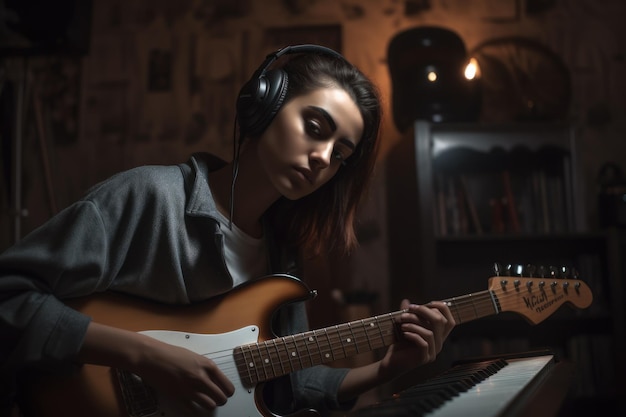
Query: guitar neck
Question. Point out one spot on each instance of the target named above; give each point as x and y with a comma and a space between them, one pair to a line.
263, 361
473, 306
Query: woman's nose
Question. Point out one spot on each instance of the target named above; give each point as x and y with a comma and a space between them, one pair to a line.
321, 154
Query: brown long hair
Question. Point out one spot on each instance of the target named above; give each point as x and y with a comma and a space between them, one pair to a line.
324, 220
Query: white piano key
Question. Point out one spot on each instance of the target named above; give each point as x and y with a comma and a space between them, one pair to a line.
493, 395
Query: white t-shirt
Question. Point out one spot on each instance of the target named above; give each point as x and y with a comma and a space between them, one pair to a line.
246, 258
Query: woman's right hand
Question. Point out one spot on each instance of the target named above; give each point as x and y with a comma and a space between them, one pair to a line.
184, 376
188, 379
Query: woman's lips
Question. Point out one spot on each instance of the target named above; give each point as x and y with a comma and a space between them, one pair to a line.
306, 173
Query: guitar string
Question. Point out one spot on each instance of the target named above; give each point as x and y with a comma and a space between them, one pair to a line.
515, 297
475, 302
468, 301
311, 338
506, 295
289, 359
480, 303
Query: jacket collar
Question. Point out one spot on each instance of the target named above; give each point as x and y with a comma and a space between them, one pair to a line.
201, 202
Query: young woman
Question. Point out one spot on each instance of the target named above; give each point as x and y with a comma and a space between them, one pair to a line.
308, 131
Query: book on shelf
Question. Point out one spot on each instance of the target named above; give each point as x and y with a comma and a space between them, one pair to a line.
504, 202
511, 205
476, 224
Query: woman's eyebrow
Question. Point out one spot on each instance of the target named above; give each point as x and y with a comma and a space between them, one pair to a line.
326, 116
348, 143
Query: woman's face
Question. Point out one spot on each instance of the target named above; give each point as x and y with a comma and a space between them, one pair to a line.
307, 142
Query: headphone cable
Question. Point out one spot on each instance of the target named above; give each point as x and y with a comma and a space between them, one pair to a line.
236, 151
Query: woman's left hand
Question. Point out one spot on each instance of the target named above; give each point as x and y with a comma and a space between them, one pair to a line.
423, 330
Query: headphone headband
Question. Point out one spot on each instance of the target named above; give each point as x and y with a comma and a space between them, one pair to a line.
294, 49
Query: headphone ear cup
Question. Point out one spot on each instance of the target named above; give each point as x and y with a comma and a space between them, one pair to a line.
259, 101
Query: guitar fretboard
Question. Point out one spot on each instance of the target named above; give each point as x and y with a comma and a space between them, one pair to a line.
473, 306
263, 361
259, 362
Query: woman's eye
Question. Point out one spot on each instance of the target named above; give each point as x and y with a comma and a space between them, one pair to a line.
313, 128
339, 156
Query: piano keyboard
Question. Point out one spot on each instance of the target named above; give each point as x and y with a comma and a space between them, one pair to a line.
476, 389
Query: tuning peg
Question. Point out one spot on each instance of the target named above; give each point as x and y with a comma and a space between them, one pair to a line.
497, 268
574, 273
564, 272
519, 270
508, 269
530, 270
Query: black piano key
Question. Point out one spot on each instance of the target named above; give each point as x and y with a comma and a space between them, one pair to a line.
425, 397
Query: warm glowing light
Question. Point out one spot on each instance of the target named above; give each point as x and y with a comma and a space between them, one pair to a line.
432, 76
472, 70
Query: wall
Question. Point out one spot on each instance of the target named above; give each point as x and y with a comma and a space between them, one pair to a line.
161, 78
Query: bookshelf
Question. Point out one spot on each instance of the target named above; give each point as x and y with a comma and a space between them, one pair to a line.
500, 179
461, 197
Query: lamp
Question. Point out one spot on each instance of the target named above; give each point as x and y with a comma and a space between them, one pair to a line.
432, 77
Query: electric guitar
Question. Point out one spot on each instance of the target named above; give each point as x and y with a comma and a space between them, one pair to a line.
233, 331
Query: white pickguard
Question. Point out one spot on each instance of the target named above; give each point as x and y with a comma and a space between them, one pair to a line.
219, 348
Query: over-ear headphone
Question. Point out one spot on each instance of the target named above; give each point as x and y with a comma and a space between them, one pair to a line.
262, 96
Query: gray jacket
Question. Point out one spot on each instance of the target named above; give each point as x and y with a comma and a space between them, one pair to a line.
151, 232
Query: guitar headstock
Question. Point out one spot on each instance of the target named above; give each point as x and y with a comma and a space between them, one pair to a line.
538, 298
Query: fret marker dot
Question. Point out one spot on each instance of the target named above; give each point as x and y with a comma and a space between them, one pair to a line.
310, 338
251, 365
267, 361
327, 355
348, 340
371, 324
293, 353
